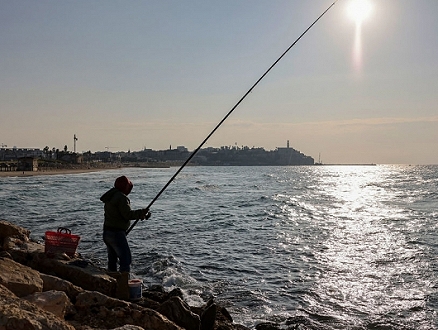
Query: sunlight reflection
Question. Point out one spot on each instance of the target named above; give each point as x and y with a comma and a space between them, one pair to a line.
366, 258
346, 234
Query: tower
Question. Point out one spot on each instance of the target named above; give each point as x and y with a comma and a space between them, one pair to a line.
74, 142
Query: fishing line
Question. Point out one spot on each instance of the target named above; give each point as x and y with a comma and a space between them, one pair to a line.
229, 113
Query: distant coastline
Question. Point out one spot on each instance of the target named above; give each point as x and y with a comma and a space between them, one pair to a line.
66, 171
28, 159
51, 172
369, 164
77, 169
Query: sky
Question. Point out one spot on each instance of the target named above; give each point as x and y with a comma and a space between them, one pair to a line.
128, 75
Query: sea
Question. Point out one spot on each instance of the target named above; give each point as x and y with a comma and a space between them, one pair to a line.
329, 247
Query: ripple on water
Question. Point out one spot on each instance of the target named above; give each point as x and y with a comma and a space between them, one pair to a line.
327, 247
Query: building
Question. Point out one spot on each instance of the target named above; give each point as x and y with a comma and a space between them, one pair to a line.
27, 164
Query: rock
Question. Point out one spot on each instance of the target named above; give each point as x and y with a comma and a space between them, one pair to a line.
158, 294
176, 310
25, 252
55, 283
16, 313
177, 292
267, 326
10, 243
103, 311
85, 295
21, 280
214, 316
6, 255
91, 299
224, 312
208, 316
148, 303
8, 229
55, 302
88, 278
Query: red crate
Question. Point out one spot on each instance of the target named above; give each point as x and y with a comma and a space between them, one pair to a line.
61, 241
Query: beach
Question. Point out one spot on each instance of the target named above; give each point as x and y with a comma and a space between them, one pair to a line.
52, 172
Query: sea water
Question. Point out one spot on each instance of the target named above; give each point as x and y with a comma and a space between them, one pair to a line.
342, 247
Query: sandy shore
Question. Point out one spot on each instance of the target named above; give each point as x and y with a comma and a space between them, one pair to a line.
51, 172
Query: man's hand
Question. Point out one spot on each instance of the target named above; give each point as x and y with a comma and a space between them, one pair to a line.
145, 214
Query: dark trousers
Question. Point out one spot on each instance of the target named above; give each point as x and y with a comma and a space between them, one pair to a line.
118, 248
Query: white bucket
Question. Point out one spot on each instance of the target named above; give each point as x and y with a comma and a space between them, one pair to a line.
135, 289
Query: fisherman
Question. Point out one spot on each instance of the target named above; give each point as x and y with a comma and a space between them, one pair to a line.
118, 214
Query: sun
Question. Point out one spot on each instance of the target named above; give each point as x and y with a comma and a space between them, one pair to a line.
359, 10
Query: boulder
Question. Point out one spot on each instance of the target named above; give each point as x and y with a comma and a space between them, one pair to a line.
91, 299
208, 316
21, 280
58, 284
10, 243
88, 277
148, 303
176, 310
6, 255
22, 251
8, 229
16, 313
55, 302
158, 294
99, 310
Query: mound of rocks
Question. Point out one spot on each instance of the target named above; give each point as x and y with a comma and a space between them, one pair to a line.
41, 291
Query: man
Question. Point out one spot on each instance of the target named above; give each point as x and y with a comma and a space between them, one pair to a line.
118, 214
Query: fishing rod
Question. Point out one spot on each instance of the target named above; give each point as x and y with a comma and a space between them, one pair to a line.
229, 113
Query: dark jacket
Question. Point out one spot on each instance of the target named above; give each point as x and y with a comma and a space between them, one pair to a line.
118, 211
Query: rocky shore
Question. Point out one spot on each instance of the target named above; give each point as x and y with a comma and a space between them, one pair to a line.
40, 290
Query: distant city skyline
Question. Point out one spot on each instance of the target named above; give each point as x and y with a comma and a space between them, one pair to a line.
112, 149
128, 75
30, 159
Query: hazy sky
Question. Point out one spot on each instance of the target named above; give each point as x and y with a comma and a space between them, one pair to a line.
126, 75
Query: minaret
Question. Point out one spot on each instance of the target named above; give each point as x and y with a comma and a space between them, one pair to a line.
74, 142
288, 144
